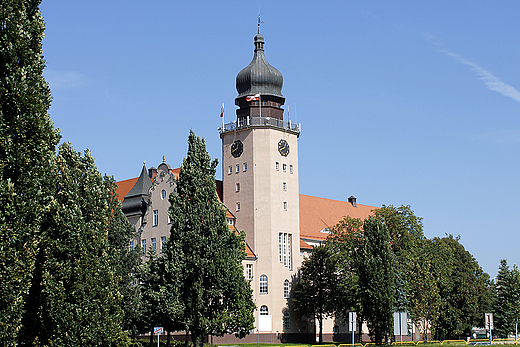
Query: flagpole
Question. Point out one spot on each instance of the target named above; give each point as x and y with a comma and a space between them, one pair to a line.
260, 103
222, 114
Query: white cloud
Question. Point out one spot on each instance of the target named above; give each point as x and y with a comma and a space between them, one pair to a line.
491, 81
64, 79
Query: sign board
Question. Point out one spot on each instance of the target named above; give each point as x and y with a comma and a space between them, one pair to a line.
400, 323
158, 330
489, 321
265, 323
352, 321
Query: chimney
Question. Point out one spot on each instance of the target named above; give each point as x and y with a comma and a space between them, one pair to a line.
152, 171
352, 200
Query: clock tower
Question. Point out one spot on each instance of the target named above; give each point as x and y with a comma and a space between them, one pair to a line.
260, 187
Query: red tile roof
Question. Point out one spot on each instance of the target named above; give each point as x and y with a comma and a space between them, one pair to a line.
317, 214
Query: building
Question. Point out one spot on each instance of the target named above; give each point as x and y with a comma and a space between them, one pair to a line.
260, 189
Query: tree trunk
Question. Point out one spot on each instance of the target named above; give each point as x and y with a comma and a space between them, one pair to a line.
320, 321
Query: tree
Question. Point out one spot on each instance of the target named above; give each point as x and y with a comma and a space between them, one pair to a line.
507, 303
376, 280
124, 262
74, 297
465, 289
316, 288
27, 143
204, 255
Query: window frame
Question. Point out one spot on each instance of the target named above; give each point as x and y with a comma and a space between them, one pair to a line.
263, 284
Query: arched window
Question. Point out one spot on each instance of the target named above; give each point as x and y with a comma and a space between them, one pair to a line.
263, 284
286, 289
264, 311
286, 320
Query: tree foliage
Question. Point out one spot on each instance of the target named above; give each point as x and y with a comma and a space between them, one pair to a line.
376, 279
507, 303
204, 255
317, 286
465, 289
74, 298
27, 143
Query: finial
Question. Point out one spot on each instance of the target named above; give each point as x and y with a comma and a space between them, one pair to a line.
164, 159
259, 21
144, 162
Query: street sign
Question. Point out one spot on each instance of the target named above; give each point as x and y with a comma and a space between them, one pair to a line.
352, 321
158, 330
400, 323
489, 321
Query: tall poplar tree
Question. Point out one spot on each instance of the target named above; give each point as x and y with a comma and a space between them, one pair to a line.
204, 255
376, 280
27, 144
74, 299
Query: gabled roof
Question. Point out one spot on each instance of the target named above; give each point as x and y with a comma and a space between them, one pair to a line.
318, 214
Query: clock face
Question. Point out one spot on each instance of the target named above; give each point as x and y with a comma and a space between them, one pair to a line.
237, 148
283, 147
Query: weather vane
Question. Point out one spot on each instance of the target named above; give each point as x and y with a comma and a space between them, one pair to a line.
259, 21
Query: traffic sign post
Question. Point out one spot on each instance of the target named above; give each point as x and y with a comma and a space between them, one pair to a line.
158, 330
489, 325
352, 324
400, 324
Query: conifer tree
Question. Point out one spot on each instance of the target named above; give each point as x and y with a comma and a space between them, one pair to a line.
27, 143
75, 293
203, 255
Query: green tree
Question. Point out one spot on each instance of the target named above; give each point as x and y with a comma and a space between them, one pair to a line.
74, 296
376, 280
507, 303
206, 254
27, 144
514, 303
124, 262
465, 290
345, 240
316, 288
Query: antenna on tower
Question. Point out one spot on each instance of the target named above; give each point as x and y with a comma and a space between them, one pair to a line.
259, 20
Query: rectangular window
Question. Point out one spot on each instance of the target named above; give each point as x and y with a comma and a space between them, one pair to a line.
230, 221
238, 206
284, 247
237, 187
290, 169
169, 219
155, 218
284, 186
154, 243
245, 167
238, 168
163, 243
277, 166
132, 244
230, 170
143, 244
284, 167
285, 205
286, 321
249, 271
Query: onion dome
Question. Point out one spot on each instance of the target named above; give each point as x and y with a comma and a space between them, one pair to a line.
259, 77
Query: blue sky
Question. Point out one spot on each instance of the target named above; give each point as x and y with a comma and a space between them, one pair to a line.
401, 102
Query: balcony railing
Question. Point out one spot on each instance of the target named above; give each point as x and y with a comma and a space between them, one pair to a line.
260, 122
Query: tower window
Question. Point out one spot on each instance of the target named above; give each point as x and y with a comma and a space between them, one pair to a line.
286, 289
238, 168
230, 221
284, 186
230, 170
155, 218
290, 169
154, 243
264, 311
263, 284
249, 271
284, 249
237, 187
277, 166
286, 320
245, 167
284, 166
143, 244
163, 194
285, 205
238, 206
